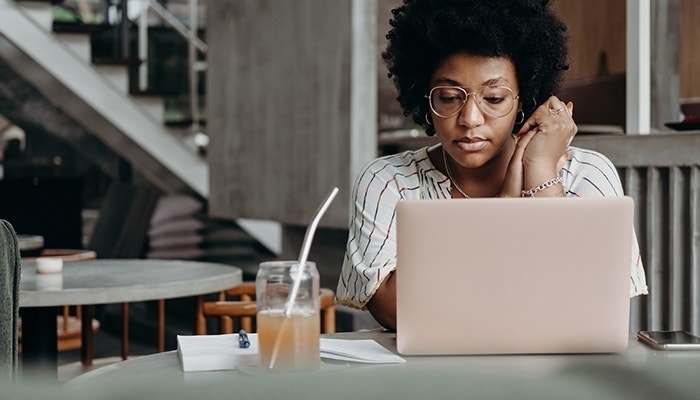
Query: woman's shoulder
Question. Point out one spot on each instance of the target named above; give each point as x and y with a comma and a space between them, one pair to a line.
587, 157
408, 174
591, 173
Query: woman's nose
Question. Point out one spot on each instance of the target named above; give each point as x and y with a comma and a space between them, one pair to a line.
471, 115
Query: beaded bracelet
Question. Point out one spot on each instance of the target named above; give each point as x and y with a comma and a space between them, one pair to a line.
541, 186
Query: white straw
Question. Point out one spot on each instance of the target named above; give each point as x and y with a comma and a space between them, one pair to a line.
303, 255
306, 246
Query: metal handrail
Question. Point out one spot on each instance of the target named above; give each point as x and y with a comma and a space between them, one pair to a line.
181, 28
194, 44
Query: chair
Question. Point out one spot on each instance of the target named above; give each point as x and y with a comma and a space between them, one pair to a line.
10, 272
120, 232
238, 303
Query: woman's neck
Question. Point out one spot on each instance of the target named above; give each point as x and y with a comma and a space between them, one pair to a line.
484, 181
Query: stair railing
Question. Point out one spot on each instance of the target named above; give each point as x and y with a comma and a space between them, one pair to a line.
194, 44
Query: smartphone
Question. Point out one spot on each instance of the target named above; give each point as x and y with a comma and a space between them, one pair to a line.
670, 340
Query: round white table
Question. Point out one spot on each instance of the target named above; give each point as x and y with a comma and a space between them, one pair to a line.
105, 281
638, 373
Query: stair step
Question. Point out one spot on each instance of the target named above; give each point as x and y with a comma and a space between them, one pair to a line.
113, 61
183, 122
79, 27
41, 12
79, 43
153, 105
117, 74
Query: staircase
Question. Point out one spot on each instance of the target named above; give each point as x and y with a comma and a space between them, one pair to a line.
48, 81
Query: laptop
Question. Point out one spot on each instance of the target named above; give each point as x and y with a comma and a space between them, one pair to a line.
513, 276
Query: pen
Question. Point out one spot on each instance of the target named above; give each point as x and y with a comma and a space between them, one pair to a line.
243, 341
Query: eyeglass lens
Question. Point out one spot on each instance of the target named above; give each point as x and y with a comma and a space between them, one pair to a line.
496, 101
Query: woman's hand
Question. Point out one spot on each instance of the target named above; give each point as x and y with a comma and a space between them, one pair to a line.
546, 136
540, 150
554, 129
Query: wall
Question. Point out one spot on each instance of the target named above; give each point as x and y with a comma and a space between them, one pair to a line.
291, 113
607, 34
595, 27
690, 48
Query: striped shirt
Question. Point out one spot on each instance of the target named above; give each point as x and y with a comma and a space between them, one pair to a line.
370, 254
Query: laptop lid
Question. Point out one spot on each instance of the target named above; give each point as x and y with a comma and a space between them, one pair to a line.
511, 276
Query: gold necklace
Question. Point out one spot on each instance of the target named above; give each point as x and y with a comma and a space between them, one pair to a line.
449, 175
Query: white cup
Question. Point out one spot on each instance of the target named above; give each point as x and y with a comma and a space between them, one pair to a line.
49, 265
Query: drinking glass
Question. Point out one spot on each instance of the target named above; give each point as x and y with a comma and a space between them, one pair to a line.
289, 329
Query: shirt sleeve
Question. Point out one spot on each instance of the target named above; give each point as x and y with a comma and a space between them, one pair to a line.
591, 174
370, 254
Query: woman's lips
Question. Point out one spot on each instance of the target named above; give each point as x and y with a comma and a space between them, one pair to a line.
471, 145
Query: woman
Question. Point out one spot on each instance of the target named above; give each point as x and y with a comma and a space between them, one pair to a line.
480, 75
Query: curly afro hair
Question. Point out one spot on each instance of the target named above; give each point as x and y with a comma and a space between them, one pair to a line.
426, 32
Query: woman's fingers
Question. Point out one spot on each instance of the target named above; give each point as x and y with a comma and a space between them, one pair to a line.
513, 184
555, 129
553, 114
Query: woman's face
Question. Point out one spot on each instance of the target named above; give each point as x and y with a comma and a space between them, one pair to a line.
472, 137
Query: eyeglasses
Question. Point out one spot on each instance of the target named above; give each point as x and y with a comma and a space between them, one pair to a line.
494, 101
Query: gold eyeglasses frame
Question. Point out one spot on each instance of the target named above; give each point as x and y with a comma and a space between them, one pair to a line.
477, 97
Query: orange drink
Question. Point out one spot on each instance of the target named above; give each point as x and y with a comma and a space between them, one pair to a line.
288, 318
289, 343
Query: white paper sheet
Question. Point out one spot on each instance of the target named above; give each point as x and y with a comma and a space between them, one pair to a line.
363, 351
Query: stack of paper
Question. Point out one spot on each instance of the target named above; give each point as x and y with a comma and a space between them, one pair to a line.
222, 352
215, 352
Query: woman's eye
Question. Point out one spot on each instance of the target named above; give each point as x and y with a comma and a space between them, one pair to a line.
493, 100
450, 99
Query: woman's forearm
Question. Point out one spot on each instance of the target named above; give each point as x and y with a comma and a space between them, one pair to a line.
382, 305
